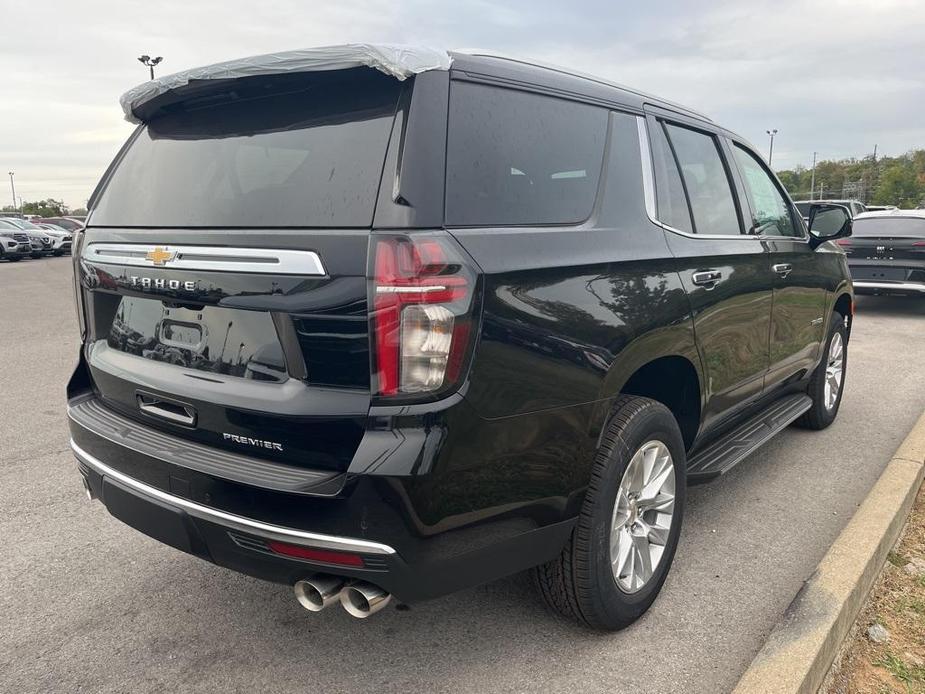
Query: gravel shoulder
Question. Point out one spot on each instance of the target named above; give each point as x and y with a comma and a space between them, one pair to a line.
886, 650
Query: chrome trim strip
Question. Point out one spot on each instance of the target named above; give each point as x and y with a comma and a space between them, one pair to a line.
209, 258
648, 170
273, 532
903, 286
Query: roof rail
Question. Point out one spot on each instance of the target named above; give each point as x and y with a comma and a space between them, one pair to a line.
658, 101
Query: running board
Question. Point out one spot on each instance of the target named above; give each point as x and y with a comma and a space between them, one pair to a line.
737, 444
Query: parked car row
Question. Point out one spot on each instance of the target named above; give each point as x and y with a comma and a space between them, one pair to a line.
20, 238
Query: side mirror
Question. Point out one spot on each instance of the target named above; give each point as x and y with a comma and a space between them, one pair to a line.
828, 222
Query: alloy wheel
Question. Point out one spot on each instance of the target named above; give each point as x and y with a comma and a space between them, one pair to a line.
834, 371
642, 516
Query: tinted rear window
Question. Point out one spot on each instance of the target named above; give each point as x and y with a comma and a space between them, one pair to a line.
516, 158
309, 157
902, 226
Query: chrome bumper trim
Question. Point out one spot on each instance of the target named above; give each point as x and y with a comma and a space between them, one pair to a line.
273, 532
901, 286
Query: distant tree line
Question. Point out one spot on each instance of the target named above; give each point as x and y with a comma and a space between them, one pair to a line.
43, 208
896, 181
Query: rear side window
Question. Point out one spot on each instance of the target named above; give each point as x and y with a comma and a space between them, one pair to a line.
306, 157
515, 158
706, 181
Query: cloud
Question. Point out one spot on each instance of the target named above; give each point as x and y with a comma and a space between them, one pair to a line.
833, 76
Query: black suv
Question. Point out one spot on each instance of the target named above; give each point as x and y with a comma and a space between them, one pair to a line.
370, 336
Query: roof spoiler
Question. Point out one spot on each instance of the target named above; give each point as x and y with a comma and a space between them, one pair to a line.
397, 61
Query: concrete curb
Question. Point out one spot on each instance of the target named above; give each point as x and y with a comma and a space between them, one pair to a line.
804, 643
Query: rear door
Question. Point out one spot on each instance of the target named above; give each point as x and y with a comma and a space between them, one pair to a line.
223, 267
724, 271
800, 280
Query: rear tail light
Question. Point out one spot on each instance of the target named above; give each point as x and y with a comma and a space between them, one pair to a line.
423, 302
843, 242
76, 248
919, 243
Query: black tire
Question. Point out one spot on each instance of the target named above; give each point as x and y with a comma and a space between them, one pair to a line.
580, 583
819, 416
58, 254
36, 256
14, 258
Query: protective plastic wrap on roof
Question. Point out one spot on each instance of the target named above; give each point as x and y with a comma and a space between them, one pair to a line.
398, 61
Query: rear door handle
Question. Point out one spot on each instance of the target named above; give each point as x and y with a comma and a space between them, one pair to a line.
782, 269
707, 278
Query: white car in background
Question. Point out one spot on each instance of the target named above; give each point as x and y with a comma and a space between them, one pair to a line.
60, 238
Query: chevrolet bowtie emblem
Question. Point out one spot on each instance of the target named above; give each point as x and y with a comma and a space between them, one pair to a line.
160, 256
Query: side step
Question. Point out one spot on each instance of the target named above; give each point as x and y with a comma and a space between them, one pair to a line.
738, 443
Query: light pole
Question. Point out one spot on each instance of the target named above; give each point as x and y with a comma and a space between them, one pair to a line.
812, 185
771, 133
149, 62
13, 188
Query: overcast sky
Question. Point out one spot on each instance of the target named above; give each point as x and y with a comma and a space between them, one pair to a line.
835, 76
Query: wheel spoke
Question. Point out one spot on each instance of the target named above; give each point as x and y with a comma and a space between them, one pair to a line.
661, 471
623, 551
643, 558
663, 503
658, 535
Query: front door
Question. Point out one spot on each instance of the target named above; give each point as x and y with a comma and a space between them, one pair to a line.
798, 312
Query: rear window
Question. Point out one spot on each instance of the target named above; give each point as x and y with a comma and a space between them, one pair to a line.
889, 226
515, 158
309, 157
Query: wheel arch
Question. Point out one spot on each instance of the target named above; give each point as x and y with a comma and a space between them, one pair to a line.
844, 306
674, 382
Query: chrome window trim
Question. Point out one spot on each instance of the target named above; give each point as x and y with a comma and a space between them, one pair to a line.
230, 520
209, 258
648, 187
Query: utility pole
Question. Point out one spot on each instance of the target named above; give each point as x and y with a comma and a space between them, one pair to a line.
13, 188
150, 62
873, 175
771, 133
812, 185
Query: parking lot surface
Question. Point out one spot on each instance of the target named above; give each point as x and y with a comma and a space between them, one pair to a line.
88, 604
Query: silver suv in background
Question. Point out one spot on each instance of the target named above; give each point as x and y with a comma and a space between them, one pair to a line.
39, 238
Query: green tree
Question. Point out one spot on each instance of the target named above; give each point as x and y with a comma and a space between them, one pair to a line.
44, 208
887, 181
899, 185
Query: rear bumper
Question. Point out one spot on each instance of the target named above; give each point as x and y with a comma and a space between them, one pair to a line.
376, 516
884, 287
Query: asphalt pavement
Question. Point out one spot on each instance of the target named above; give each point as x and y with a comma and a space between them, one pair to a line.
88, 604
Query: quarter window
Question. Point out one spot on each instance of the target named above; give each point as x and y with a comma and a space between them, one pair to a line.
516, 158
771, 216
706, 181
669, 190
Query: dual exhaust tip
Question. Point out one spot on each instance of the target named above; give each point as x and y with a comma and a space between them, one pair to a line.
359, 598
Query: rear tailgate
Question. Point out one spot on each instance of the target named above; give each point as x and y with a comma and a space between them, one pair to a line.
223, 268
272, 365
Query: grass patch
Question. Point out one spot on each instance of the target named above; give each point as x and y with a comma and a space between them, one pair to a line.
901, 670
896, 559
